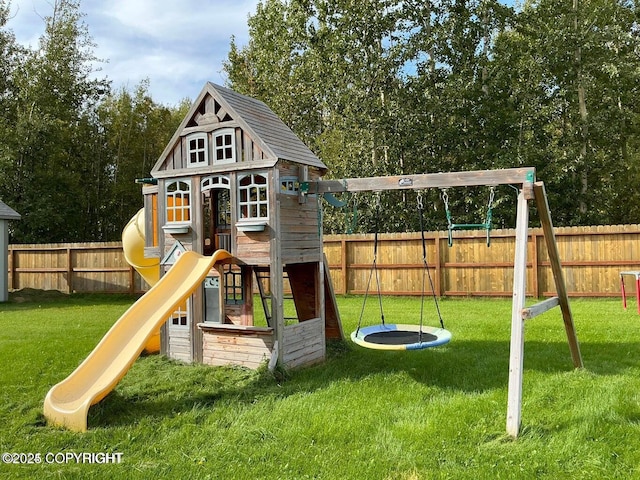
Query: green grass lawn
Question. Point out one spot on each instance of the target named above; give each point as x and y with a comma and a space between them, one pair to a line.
363, 414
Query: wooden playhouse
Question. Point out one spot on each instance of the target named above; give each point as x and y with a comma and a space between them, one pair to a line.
230, 178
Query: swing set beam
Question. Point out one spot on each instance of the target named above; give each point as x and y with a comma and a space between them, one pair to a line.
529, 190
511, 176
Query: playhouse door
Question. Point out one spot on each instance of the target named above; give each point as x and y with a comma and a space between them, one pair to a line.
217, 220
212, 311
179, 334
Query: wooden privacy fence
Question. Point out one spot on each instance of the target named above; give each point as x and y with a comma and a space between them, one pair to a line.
592, 258
73, 267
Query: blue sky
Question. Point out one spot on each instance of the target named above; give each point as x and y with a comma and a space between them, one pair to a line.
177, 45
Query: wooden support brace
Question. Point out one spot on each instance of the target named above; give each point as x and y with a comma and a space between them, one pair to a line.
558, 275
539, 308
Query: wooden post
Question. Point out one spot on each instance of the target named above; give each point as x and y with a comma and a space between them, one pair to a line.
516, 350
132, 280
638, 292
69, 270
535, 263
4, 260
558, 275
438, 273
12, 269
276, 271
320, 302
344, 266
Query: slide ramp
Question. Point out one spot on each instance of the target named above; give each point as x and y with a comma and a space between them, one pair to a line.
133, 242
67, 403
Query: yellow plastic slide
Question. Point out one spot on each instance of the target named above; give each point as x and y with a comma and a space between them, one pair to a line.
68, 402
133, 241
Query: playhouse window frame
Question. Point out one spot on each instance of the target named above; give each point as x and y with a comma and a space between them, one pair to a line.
224, 146
178, 201
234, 293
179, 318
253, 197
289, 185
197, 150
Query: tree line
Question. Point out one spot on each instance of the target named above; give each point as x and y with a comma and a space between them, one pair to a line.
387, 87
376, 87
71, 147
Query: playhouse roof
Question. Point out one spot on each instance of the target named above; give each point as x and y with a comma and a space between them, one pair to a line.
7, 213
276, 139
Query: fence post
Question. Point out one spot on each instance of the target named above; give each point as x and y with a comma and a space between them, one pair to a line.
535, 265
438, 265
344, 266
132, 280
69, 270
12, 275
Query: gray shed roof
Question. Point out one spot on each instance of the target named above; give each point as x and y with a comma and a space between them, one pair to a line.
7, 213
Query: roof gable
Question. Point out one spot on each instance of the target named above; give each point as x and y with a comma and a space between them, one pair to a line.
216, 104
7, 213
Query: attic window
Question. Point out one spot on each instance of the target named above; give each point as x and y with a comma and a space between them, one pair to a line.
197, 151
224, 146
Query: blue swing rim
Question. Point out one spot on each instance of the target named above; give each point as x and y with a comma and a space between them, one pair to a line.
442, 335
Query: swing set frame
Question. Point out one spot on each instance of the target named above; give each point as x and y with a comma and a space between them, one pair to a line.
524, 180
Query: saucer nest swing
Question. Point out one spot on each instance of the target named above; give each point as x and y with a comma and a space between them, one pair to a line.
385, 336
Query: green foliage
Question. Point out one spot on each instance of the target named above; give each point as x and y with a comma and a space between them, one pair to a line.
70, 149
436, 413
135, 131
379, 88
373, 88
49, 156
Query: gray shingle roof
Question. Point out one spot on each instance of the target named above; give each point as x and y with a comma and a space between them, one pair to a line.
266, 126
277, 140
7, 213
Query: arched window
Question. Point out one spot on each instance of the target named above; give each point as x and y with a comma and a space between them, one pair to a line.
253, 198
178, 196
217, 181
224, 146
197, 150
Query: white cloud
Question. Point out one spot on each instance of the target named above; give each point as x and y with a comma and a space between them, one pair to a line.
177, 21
178, 45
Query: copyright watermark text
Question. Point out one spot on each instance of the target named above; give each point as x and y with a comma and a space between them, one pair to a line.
62, 458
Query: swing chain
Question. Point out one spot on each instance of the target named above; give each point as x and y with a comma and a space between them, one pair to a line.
492, 194
445, 200
419, 200
378, 205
